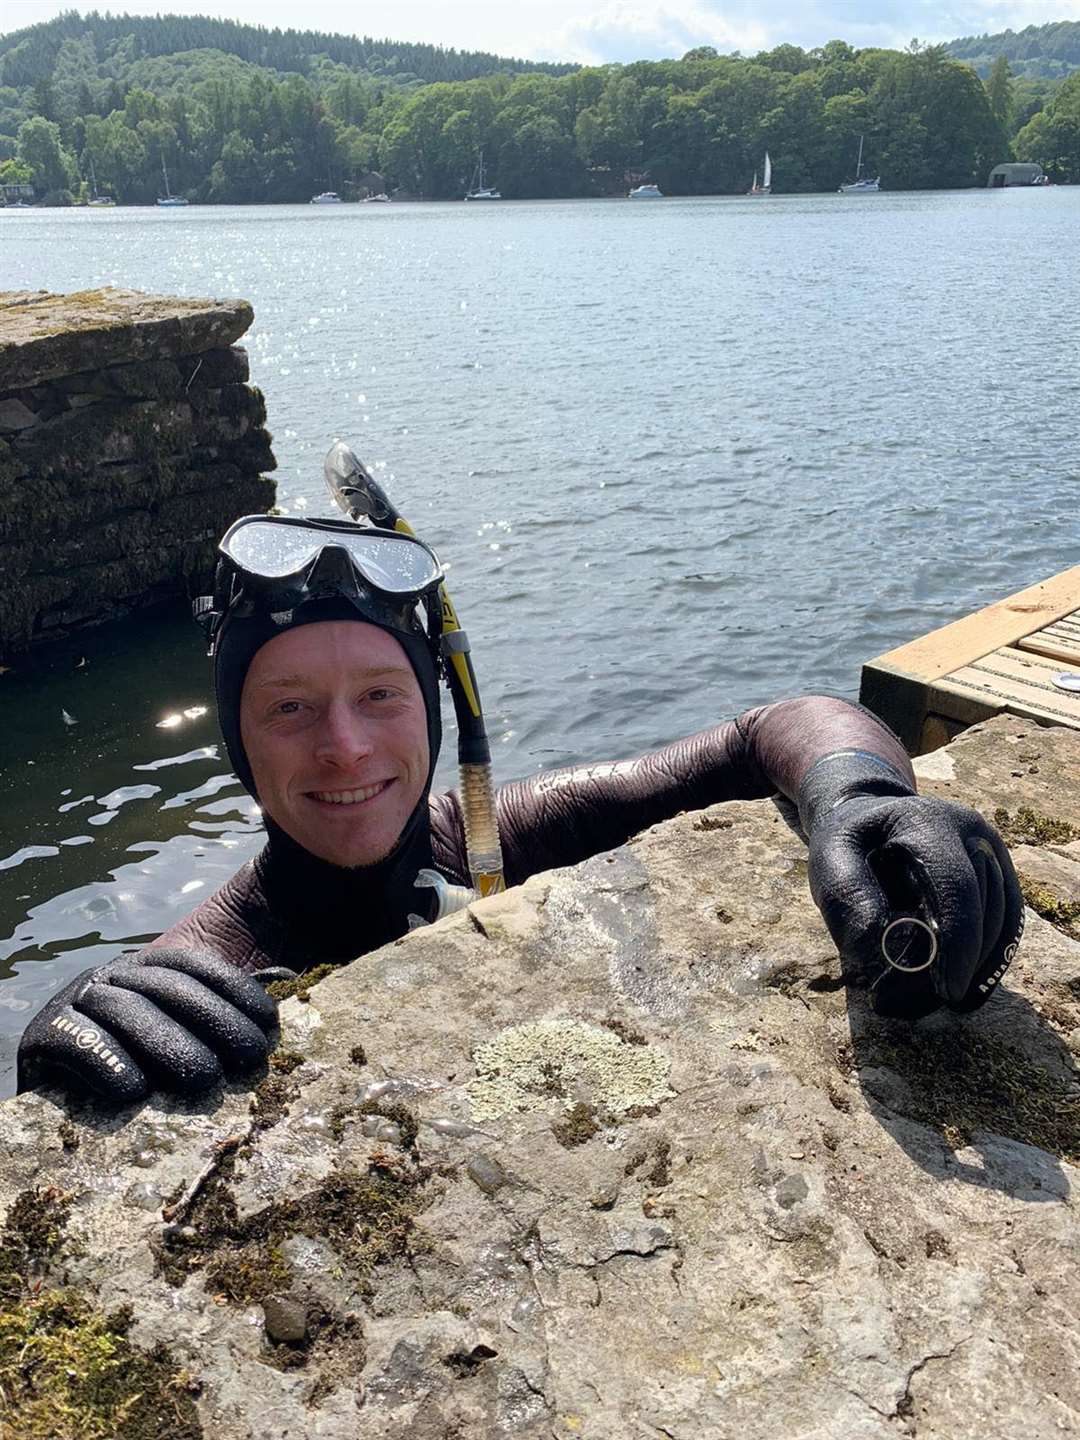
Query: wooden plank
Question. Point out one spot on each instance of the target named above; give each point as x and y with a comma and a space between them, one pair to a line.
1037, 645
940, 653
1060, 641
1015, 681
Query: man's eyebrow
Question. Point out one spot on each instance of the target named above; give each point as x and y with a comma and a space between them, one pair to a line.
298, 681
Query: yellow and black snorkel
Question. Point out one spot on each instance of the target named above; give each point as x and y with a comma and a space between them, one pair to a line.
362, 498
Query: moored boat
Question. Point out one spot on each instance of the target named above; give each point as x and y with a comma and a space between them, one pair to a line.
478, 190
326, 197
646, 192
765, 188
860, 185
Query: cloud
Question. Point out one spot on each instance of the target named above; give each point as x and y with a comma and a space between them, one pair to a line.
624, 30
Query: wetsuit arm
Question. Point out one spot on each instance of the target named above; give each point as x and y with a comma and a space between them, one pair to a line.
561, 817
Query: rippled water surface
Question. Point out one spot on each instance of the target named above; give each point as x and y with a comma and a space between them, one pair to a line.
682, 458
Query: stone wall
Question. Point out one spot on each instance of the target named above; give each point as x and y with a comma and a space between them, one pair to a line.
613, 1155
129, 440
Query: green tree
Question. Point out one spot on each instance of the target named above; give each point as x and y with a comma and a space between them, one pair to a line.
39, 149
15, 172
999, 93
1052, 138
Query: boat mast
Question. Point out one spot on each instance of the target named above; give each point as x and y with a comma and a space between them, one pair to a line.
858, 166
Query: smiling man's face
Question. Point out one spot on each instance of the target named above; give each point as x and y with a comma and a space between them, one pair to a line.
333, 722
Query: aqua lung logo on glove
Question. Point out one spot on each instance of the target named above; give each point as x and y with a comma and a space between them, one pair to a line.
985, 986
87, 1038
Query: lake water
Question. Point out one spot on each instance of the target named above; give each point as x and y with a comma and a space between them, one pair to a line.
683, 457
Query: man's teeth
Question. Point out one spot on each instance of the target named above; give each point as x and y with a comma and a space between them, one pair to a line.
349, 797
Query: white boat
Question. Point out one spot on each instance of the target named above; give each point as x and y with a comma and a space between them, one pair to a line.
168, 199
380, 199
646, 192
327, 197
859, 186
478, 190
96, 201
765, 188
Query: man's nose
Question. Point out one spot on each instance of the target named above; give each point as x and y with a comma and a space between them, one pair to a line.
344, 737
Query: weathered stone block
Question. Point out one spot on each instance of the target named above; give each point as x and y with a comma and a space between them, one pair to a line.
44, 337
785, 1218
15, 416
119, 409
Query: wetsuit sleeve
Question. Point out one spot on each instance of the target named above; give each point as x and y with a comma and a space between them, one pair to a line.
561, 817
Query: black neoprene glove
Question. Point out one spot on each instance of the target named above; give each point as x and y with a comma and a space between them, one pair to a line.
169, 1019
880, 853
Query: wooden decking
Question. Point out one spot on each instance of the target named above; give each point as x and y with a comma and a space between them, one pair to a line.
1005, 658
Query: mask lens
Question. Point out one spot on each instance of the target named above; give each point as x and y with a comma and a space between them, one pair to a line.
394, 564
271, 551
397, 566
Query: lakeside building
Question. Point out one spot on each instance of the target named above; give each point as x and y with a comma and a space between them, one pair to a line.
1015, 172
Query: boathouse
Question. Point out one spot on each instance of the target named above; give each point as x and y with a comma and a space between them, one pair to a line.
1015, 172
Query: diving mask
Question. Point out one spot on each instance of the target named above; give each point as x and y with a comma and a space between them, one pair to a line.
275, 563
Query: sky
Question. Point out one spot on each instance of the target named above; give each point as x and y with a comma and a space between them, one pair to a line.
600, 31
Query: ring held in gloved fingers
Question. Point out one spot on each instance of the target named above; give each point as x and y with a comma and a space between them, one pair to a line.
901, 956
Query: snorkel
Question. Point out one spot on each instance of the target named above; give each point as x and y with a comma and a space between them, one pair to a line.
362, 498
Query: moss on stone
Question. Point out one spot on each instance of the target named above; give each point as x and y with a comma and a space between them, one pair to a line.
577, 1126
405, 1119
1064, 915
251, 1273
285, 1061
67, 1369
1027, 827
963, 1082
660, 1174
366, 1216
301, 986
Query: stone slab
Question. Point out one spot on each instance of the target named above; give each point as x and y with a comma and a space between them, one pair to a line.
44, 336
669, 1177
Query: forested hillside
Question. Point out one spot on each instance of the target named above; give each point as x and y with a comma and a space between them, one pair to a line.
1045, 51
26, 56
275, 116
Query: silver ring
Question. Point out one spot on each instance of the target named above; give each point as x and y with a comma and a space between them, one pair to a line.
922, 924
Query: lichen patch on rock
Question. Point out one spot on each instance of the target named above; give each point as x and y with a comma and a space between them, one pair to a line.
515, 1071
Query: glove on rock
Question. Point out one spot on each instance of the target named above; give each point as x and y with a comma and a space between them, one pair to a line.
173, 1019
877, 851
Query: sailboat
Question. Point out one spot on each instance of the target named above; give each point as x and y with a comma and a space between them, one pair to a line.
859, 186
98, 202
765, 188
478, 190
168, 198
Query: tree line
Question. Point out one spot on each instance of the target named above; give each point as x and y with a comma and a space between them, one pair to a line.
1037, 50
232, 132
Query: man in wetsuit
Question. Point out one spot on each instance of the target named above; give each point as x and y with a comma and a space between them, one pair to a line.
327, 688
